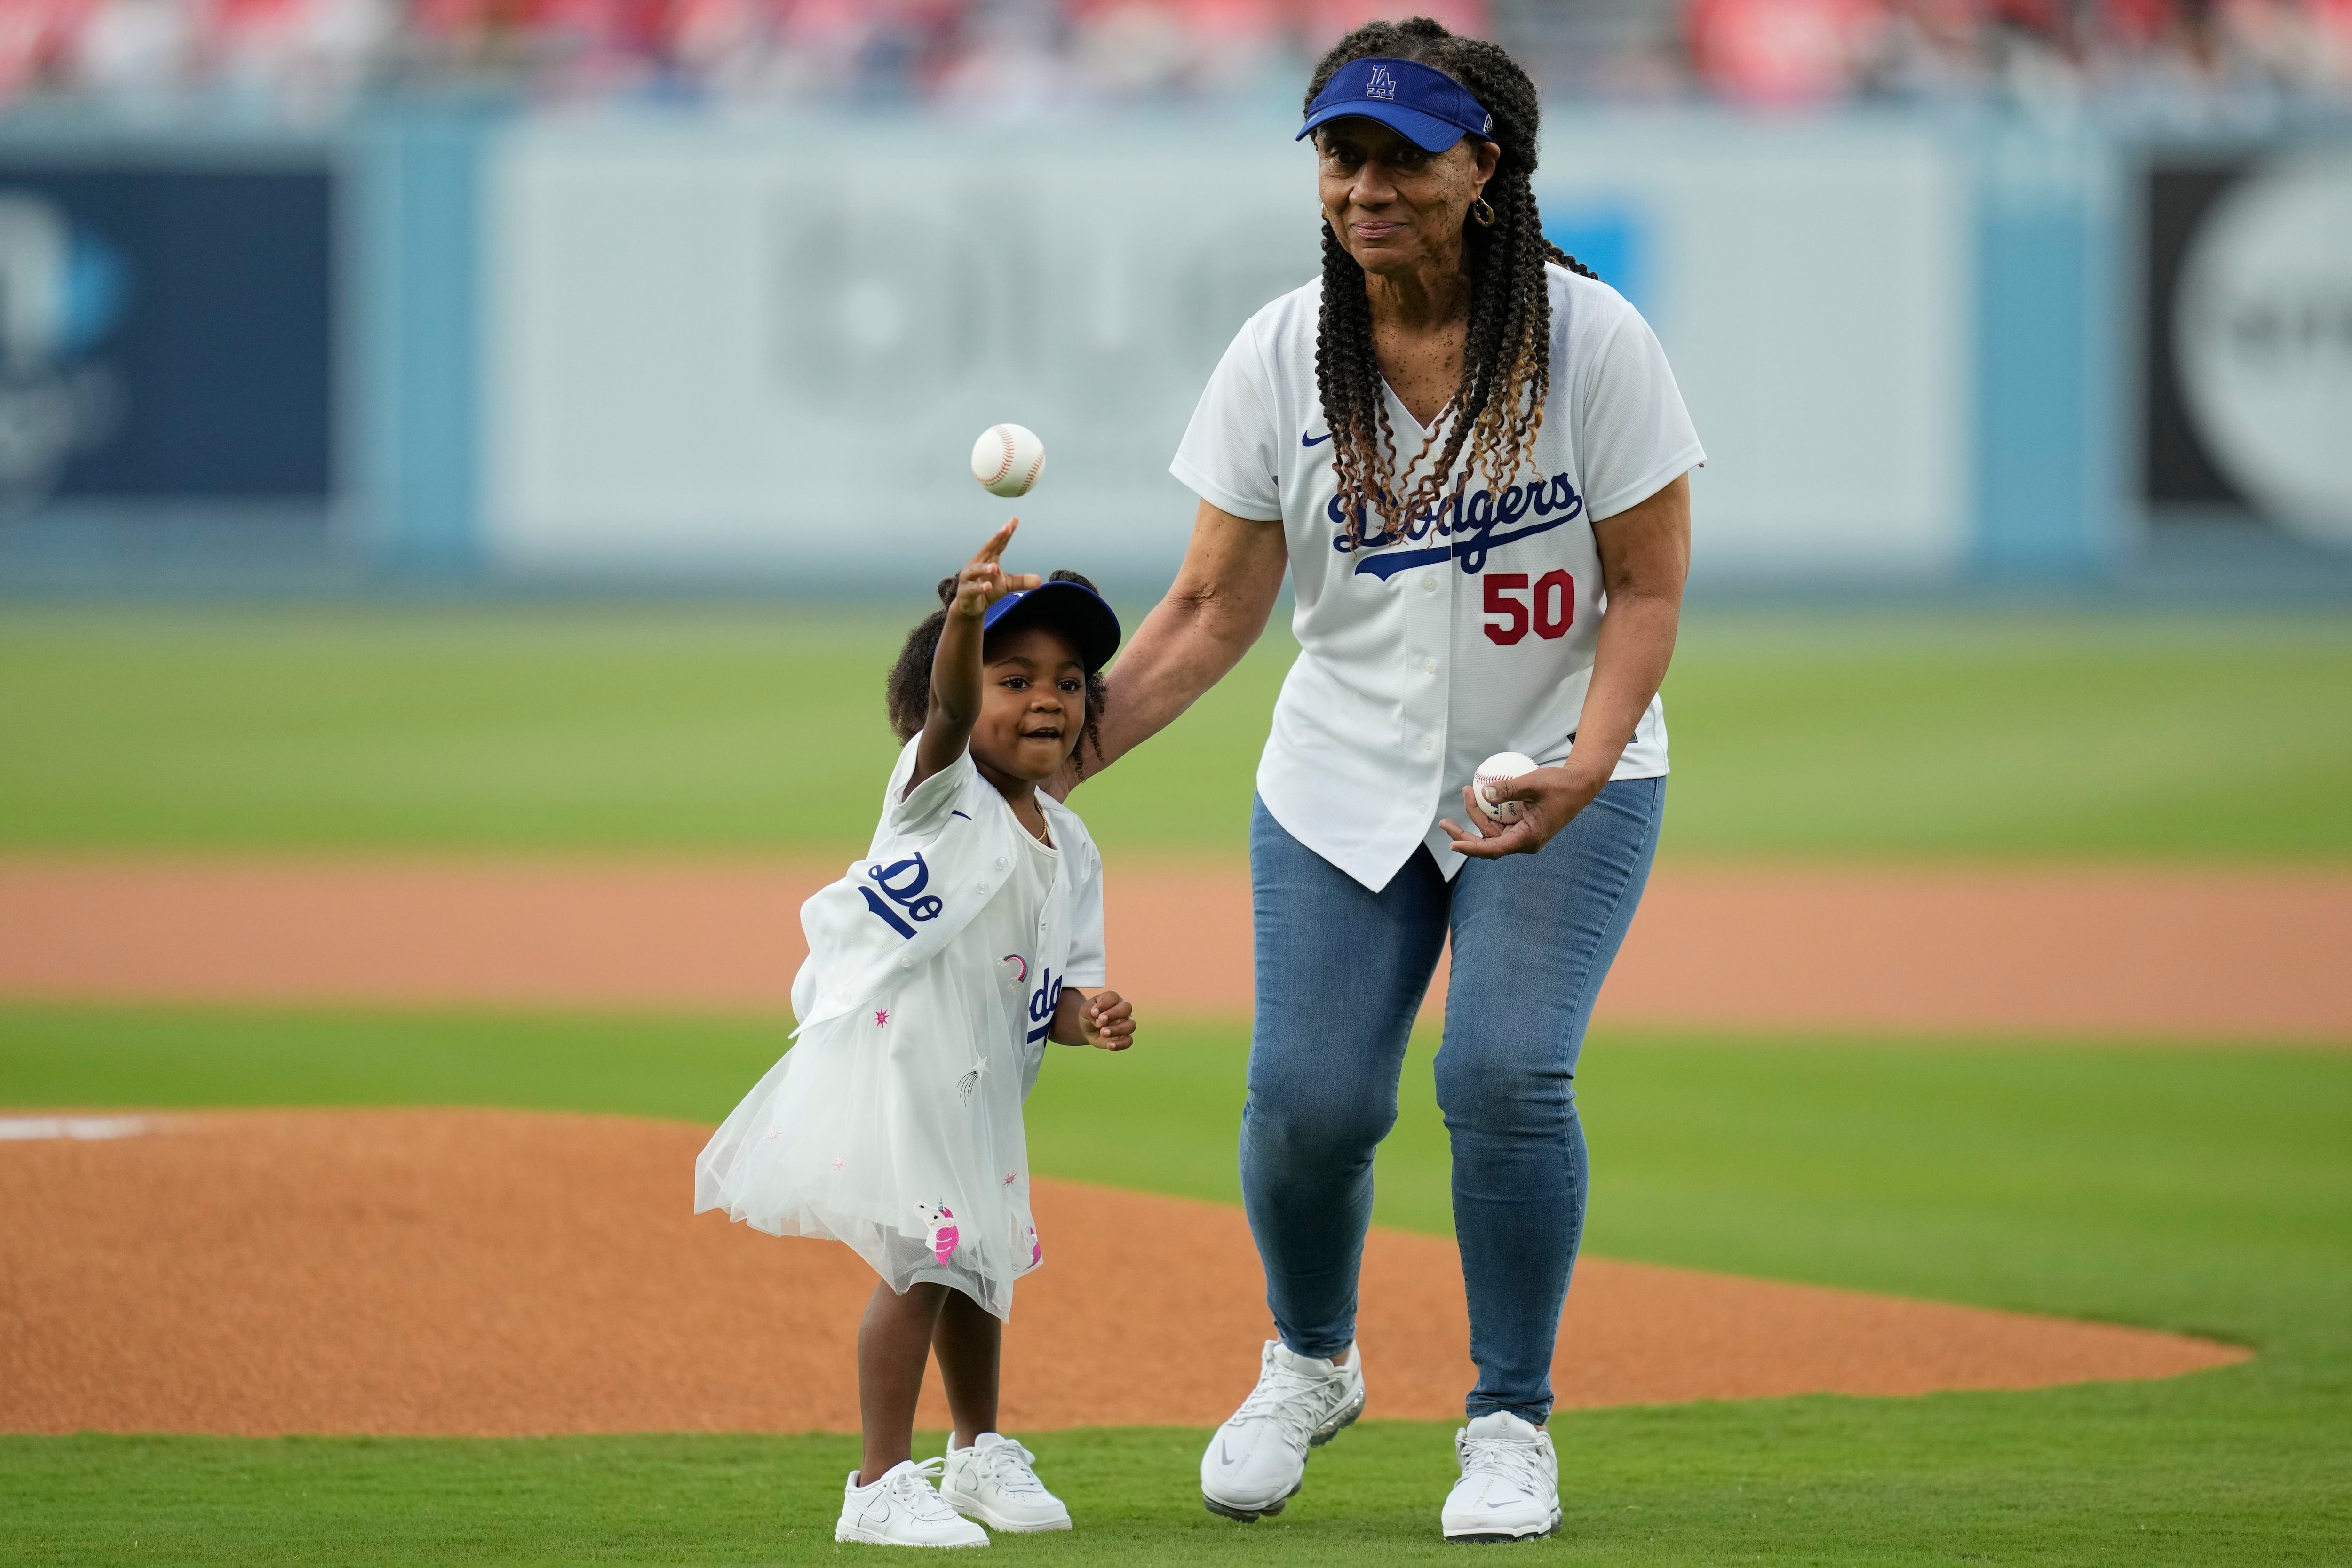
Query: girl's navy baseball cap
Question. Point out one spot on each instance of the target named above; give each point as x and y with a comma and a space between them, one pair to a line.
1075, 610
1420, 103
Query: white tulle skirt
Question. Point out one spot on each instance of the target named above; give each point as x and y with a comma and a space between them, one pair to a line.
897, 1130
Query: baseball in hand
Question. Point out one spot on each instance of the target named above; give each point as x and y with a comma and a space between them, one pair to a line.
1500, 768
1007, 460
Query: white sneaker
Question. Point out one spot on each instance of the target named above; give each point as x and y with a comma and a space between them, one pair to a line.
1257, 1460
992, 1481
901, 1510
1509, 1489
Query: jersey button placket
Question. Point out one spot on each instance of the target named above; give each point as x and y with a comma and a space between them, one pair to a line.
1431, 631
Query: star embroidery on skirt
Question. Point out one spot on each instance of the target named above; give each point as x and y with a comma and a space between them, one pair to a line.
881, 1016
1011, 1177
836, 1162
770, 1136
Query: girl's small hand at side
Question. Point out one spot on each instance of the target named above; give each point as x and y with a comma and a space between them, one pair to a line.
1105, 1020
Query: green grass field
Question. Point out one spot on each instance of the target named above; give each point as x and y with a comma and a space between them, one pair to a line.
2207, 1190
728, 728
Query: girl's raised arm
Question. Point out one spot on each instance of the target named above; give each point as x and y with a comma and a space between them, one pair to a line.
955, 667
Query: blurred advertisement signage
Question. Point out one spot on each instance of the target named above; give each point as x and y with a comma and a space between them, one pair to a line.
704, 348
2249, 401
60, 297
707, 346
166, 336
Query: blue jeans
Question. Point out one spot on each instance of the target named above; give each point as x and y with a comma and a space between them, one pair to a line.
1340, 974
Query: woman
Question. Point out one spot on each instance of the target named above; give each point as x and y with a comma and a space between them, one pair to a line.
1472, 457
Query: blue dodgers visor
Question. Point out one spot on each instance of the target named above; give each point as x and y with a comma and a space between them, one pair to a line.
1075, 610
1420, 103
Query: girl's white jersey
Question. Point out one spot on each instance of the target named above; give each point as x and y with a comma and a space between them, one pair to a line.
934, 968
1474, 632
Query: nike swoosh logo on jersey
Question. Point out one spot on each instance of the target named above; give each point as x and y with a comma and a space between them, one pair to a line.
1313, 440
1387, 563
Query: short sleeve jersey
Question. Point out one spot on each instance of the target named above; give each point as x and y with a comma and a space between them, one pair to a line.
1005, 965
1472, 631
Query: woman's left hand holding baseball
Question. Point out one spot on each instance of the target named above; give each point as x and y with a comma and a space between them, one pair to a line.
1549, 800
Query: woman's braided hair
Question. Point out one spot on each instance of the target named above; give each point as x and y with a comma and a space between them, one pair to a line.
1498, 407
908, 691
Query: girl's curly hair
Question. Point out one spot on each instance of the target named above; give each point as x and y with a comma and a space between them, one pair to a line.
908, 690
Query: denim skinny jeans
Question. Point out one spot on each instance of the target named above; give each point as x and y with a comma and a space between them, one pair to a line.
1341, 973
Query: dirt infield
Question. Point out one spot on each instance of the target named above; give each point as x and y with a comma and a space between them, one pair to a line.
2182, 953
474, 1273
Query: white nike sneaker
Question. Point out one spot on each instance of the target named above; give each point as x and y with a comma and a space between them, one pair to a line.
992, 1481
901, 1510
1257, 1460
1509, 1489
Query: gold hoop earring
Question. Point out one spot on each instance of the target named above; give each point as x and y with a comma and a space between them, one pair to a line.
1483, 212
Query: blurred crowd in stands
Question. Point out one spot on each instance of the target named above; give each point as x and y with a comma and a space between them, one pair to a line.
312, 59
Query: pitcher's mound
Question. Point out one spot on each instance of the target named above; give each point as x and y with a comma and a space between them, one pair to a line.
481, 1273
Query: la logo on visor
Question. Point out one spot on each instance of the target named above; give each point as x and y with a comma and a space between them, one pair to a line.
1381, 85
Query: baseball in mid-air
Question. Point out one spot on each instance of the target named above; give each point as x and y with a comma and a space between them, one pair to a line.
1007, 460
1501, 768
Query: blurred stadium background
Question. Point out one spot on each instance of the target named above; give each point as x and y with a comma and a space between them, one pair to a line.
334, 294
451, 439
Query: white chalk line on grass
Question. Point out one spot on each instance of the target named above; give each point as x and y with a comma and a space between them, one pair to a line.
32, 1129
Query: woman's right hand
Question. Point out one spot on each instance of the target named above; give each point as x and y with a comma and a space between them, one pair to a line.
985, 580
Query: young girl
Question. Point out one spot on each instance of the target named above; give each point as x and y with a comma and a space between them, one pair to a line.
938, 969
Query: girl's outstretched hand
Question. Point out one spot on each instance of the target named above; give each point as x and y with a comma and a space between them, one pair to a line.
955, 662
985, 580
1102, 1019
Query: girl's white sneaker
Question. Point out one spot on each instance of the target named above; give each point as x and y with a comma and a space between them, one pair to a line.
992, 1481
901, 1510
